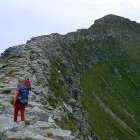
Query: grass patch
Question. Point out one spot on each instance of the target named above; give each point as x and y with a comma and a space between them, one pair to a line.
11, 73
67, 124
120, 95
57, 86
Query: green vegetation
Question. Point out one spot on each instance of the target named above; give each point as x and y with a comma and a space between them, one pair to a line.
11, 73
60, 91
67, 124
1, 61
111, 91
111, 87
57, 86
118, 94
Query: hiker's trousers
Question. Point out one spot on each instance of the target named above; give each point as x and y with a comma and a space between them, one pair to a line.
19, 107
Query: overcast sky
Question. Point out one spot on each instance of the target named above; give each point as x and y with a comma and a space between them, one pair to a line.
22, 19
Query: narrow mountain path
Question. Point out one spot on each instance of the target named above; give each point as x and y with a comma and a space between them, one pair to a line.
39, 113
42, 126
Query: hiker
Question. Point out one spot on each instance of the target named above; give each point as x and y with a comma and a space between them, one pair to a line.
27, 83
20, 101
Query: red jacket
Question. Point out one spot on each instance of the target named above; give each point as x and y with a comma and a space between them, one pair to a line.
27, 83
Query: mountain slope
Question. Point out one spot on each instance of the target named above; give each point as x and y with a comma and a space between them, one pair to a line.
111, 86
91, 76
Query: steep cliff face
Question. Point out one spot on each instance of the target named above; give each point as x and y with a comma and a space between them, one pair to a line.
85, 83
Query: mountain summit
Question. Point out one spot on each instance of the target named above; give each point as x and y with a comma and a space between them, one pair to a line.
85, 84
111, 19
114, 21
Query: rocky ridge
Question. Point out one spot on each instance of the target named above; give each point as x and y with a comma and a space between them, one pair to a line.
34, 60
60, 105
40, 113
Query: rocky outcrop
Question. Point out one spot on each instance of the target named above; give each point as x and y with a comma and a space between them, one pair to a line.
16, 66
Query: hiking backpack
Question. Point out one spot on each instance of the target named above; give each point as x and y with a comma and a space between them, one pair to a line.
24, 93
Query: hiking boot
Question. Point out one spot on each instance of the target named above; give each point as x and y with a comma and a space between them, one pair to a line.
27, 122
